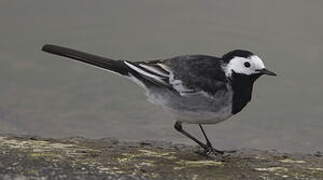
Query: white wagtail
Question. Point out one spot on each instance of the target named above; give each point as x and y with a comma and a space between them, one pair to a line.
197, 89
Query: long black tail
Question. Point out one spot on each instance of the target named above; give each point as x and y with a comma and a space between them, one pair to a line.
103, 62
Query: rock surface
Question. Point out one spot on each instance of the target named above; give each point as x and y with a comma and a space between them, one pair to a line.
80, 158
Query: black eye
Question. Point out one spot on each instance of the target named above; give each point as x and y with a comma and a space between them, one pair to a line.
247, 64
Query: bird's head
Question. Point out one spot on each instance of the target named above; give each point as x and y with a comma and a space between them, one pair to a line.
245, 63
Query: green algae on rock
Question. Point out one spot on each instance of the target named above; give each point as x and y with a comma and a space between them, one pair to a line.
80, 158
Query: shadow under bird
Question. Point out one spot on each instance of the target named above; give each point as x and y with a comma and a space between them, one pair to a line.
197, 89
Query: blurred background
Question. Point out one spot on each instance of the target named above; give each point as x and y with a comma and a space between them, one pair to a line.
46, 95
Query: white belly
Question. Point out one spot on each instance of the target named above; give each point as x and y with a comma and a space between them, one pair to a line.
196, 109
200, 117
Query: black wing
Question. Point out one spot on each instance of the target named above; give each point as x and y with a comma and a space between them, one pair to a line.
186, 74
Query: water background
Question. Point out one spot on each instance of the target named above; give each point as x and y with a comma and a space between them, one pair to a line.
46, 95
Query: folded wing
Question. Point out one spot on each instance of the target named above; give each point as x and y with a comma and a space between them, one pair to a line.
185, 75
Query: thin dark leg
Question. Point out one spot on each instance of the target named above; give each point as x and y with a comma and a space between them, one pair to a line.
205, 136
208, 143
178, 126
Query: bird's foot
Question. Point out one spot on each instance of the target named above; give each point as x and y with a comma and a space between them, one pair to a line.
216, 154
210, 149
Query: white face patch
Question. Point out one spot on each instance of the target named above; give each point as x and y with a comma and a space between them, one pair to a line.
243, 65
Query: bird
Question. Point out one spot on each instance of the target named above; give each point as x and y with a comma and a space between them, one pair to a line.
196, 89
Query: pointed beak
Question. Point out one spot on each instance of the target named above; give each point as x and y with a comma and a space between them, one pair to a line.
267, 72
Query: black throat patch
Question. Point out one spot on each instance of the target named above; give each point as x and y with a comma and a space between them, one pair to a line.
242, 90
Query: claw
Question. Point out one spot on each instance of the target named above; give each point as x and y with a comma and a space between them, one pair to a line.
215, 153
212, 150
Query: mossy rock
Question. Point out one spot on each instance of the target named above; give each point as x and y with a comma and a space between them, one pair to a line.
80, 158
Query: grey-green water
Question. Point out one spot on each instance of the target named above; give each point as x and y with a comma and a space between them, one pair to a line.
46, 95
